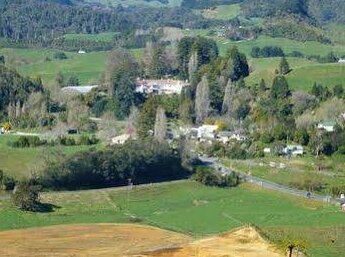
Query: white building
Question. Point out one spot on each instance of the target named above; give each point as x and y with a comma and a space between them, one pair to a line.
78, 89
328, 126
120, 140
341, 61
227, 136
160, 87
81, 51
294, 150
207, 131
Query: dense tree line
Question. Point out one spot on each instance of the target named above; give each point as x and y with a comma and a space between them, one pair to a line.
142, 162
14, 91
267, 51
39, 22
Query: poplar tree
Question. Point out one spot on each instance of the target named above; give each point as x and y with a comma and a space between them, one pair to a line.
202, 101
160, 129
227, 107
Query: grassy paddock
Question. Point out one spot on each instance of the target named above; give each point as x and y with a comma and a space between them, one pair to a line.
193, 209
32, 62
221, 12
20, 162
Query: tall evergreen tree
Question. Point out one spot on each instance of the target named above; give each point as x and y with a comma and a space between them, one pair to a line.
202, 101
284, 67
280, 88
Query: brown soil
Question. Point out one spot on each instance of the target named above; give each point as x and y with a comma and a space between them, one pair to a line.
245, 242
129, 240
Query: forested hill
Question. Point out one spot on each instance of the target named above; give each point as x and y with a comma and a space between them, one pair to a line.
42, 20
319, 10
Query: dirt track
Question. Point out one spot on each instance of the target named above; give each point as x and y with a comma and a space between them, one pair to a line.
128, 240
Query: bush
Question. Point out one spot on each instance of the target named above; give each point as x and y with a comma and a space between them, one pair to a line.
60, 56
28, 141
237, 152
66, 141
26, 196
209, 177
8, 183
85, 140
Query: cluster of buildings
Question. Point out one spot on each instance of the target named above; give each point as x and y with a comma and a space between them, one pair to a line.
209, 133
160, 87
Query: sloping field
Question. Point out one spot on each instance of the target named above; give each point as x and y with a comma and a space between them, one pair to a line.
88, 240
129, 240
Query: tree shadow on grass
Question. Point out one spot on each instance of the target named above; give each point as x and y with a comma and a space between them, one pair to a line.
45, 207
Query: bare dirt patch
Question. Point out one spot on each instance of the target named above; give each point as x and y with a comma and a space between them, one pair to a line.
245, 242
129, 240
87, 240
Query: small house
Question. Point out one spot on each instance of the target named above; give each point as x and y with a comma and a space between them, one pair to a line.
207, 131
120, 140
81, 51
224, 136
294, 150
328, 126
341, 61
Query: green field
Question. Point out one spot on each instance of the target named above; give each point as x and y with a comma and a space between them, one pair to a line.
101, 37
288, 45
32, 62
303, 75
20, 162
171, 3
193, 209
221, 12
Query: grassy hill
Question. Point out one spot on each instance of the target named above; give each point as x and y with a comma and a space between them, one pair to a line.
196, 210
33, 62
221, 12
303, 75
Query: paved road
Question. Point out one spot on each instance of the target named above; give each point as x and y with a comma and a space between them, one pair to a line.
268, 184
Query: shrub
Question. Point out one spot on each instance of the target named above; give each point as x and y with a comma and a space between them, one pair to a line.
7, 183
60, 56
26, 196
66, 141
209, 177
85, 140
28, 141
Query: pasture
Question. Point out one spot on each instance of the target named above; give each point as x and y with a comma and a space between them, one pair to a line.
196, 210
21, 162
33, 62
303, 75
100, 37
221, 12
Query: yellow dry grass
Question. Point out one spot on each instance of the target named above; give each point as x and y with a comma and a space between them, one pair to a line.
129, 240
